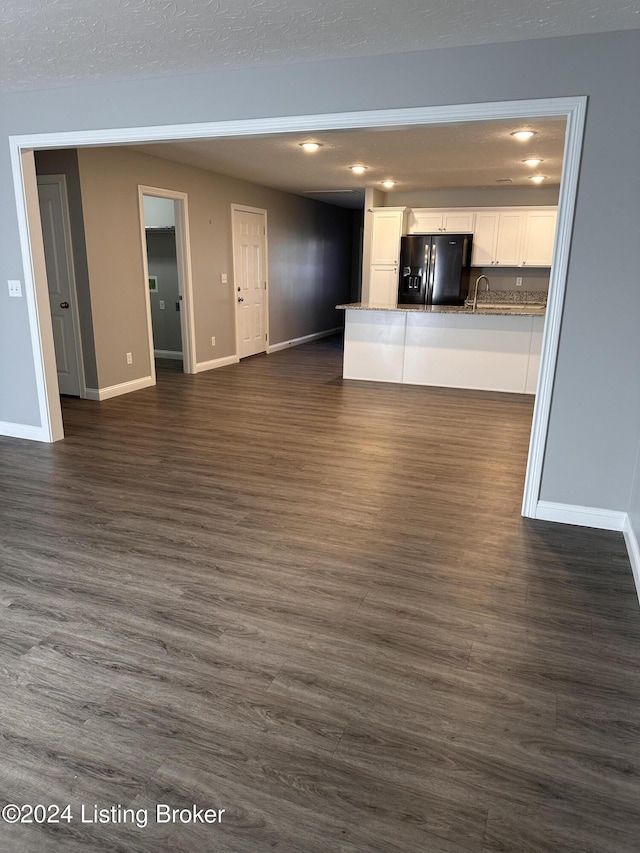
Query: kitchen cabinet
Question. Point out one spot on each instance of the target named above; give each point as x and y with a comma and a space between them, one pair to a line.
383, 284
497, 238
388, 224
539, 238
424, 220
451, 350
387, 227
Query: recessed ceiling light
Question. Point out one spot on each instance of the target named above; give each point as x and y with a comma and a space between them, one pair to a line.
523, 135
537, 179
310, 146
358, 170
388, 184
532, 161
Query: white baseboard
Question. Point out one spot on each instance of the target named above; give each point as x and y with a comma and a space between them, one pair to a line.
633, 547
294, 342
122, 388
168, 353
201, 366
33, 433
583, 516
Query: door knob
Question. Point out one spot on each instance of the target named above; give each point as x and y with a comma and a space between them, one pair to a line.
240, 299
64, 304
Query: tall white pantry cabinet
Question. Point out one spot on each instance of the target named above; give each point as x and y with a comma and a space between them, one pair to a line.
388, 224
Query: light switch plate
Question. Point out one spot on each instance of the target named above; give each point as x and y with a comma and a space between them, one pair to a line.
161, 304
15, 287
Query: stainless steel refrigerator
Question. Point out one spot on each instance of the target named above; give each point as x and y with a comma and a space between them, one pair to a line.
434, 269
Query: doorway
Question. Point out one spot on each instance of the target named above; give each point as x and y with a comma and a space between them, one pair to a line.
249, 235
164, 285
573, 108
164, 223
58, 254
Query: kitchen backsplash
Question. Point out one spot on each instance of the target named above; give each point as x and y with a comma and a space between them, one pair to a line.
505, 278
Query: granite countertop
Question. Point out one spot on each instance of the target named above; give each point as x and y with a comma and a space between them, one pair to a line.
520, 309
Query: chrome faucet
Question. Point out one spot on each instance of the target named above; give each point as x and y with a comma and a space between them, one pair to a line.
475, 295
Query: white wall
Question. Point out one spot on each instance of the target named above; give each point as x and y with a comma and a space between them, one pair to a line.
159, 212
634, 510
595, 417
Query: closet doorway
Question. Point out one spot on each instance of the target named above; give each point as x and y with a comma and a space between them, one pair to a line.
164, 224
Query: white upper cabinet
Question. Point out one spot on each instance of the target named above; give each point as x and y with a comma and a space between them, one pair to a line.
386, 231
509, 240
539, 237
485, 236
458, 221
432, 221
497, 238
514, 237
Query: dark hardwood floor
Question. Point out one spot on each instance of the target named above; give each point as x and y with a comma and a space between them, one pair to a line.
314, 604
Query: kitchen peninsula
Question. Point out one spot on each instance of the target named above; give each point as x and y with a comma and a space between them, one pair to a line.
494, 348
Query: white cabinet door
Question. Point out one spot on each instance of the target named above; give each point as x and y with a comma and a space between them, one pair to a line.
484, 239
509, 238
539, 236
425, 221
458, 221
383, 284
385, 236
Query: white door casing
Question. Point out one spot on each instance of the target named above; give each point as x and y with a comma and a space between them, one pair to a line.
249, 228
56, 235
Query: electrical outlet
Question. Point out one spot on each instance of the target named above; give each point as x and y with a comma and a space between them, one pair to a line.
213, 341
15, 288
129, 358
161, 304
519, 281
223, 278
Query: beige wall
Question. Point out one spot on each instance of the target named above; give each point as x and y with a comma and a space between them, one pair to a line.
490, 197
309, 257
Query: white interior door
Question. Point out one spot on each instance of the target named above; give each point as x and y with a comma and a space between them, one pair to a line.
59, 263
250, 280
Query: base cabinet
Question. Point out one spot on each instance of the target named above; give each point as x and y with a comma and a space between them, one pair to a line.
383, 284
484, 352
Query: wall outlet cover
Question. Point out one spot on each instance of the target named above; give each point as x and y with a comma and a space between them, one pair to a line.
129, 358
213, 341
15, 287
223, 278
161, 304
519, 281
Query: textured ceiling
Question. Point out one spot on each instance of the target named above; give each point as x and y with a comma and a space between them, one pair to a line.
45, 43
473, 155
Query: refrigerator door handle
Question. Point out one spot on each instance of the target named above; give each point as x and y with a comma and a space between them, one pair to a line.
432, 267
